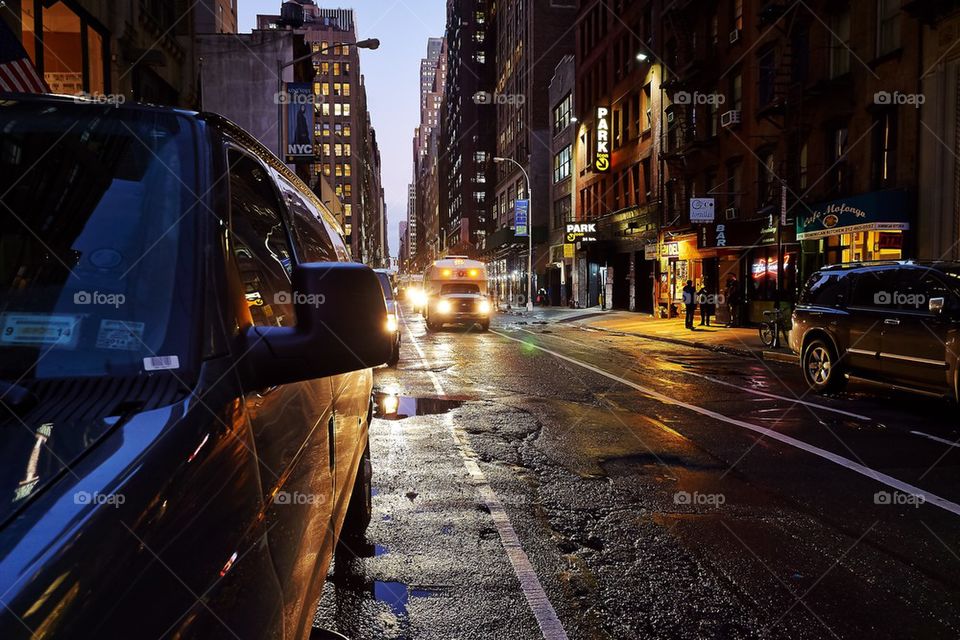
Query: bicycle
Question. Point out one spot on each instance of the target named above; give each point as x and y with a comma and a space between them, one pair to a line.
774, 323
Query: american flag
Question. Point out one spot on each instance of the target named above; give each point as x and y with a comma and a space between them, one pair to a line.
17, 73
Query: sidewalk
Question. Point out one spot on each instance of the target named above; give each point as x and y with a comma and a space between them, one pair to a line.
737, 340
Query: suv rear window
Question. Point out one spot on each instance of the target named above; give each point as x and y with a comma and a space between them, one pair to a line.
825, 288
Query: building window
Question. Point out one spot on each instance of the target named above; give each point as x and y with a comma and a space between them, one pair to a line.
646, 180
766, 179
738, 15
736, 92
646, 109
885, 149
768, 76
735, 184
562, 164
888, 26
804, 171
562, 212
563, 114
840, 44
72, 55
838, 144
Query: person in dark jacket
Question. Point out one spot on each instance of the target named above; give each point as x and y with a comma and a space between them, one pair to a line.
706, 306
690, 302
733, 301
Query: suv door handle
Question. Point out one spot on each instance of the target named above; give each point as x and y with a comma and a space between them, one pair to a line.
892, 321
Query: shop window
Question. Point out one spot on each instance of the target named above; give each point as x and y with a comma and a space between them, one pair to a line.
66, 46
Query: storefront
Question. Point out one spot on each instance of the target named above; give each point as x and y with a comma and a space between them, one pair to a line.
680, 260
868, 227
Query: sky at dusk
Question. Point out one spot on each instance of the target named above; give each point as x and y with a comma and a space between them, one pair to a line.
392, 78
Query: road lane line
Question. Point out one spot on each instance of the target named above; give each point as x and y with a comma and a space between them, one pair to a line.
952, 443
856, 467
756, 392
540, 605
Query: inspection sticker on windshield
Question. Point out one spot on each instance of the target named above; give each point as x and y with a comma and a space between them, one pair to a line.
38, 329
117, 334
161, 363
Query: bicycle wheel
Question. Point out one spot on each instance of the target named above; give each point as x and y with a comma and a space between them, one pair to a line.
767, 333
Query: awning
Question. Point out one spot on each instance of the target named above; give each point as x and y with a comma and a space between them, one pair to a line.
875, 211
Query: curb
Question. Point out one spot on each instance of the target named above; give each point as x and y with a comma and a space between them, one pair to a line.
774, 356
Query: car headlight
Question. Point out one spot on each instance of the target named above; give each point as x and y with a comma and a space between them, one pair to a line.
392, 322
419, 298
484, 306
443, 306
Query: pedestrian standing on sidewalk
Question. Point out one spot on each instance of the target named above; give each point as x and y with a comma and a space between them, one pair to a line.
706, 310
690, 302
733, 301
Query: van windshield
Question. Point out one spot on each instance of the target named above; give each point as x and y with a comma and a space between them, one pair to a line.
96, 248
459, 287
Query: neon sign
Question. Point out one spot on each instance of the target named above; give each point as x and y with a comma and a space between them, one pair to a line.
602, 161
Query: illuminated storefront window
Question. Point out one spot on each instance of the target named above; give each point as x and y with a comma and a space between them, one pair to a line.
67, 45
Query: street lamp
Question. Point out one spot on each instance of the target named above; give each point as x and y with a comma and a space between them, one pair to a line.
370, 43
498, 160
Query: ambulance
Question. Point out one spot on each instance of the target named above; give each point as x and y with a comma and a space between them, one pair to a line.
455, 292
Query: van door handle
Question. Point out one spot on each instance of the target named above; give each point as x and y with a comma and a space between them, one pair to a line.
892, 321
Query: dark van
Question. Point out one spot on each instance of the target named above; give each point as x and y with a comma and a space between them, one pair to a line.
896, 323
185, 378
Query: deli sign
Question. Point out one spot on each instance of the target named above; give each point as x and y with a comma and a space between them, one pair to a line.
601, 162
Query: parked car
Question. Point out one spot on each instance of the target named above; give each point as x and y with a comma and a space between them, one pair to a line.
394, 316
185, 357
896, 323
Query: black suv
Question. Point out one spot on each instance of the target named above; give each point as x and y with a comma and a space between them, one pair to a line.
896, 323
185, 378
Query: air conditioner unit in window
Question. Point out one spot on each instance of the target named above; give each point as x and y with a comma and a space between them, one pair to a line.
734, 36
730, 118
732, 213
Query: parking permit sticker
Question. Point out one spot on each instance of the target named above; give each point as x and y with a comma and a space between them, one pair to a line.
161, 363
120, 335
39, 329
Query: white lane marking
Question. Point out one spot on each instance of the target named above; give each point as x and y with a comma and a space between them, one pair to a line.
736, 386
856, 467
952, 443
540, 606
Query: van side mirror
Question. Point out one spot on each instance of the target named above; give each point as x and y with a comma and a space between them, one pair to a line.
937, 305
341, 327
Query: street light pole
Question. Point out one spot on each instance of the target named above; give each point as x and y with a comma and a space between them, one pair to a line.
498, 159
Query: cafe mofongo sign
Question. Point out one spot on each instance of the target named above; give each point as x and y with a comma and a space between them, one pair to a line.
875, 211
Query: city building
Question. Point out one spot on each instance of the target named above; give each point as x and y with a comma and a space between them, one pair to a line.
561, 275
532, 36
467, 132
216, 16
143, 51
938, 232
619, 99
404, 249
433, 74
348, 156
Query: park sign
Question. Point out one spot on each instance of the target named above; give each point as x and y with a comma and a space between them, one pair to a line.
581, 232
602, 160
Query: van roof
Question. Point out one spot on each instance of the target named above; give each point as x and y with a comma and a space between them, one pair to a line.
452, 261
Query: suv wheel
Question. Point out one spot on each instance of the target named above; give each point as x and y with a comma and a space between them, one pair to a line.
360, 509
821, 368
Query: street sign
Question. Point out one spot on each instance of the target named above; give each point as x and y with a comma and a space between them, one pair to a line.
702, 210
783, 204
650, 252
601, 162
521, 210
568, 250
300, 120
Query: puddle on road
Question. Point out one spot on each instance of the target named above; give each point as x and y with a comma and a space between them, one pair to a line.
389, 406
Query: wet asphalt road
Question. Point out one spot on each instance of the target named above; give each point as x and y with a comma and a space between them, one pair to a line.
707, 503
